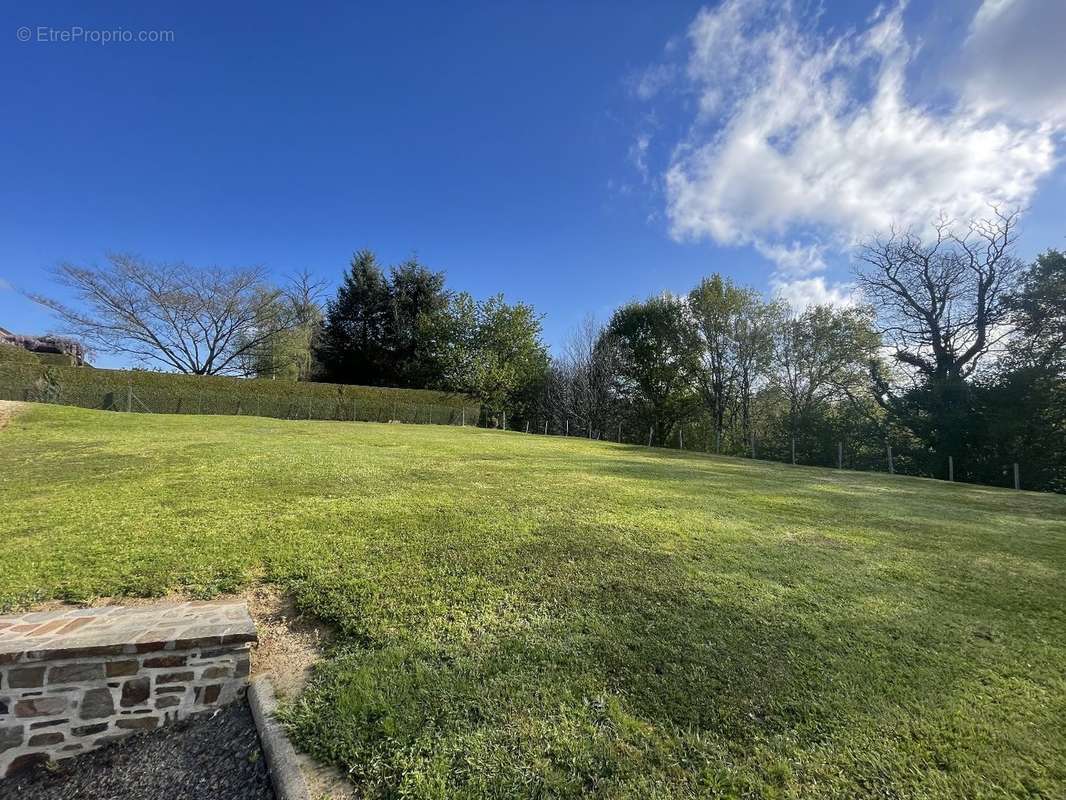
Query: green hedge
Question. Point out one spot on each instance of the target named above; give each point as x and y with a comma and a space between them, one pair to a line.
171, 393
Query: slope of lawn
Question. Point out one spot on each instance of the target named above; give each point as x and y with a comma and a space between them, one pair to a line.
524, 616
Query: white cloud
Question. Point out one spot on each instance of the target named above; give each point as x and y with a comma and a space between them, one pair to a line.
638, 154
800, 137
652, 80
1012, 59
804, 292
794, 259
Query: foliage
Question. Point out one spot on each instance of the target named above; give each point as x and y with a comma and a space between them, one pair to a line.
290, 354
353, 347
723, 314
527, 616
385, 331
493, 351
658, 361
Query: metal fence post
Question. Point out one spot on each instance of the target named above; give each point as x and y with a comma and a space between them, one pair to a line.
753, 444
840, 455
504, 420
681, 438
891, 464
619, 433
545, 427
1017, 477
651, 430
718, 441
793, 451
129, 396
951, 468
527, 426
567, 426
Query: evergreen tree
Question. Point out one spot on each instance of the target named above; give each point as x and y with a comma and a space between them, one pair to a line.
353, 347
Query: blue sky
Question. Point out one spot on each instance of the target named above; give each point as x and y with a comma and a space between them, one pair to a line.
572, 155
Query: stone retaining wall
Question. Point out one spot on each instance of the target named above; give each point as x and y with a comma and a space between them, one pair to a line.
72, 681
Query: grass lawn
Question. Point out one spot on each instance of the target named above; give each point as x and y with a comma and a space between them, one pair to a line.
525, 616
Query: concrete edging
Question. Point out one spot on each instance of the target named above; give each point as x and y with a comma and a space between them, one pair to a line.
285, 774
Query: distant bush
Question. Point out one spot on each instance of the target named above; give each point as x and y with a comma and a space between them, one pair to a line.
171, 393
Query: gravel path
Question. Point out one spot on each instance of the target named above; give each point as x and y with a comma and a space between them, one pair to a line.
211, 759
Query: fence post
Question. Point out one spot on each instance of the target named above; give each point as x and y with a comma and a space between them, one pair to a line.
504, 420
651, 430
753, 444
129, 396
619, 433
527, 426
681, 437
840, 455
717, 441
951, 468
567, 426
793, 451
891, 465
1017, 477
545, 427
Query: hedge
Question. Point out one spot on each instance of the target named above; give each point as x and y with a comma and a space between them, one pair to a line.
172, 393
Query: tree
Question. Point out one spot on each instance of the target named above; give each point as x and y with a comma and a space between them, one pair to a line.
820, 356
942, 306
198, 321
581, 383
658, 361
418, 302
725, 316
493, 350
1039, 306
353, 347
290, 355
383, 331
1024, 403
754, 347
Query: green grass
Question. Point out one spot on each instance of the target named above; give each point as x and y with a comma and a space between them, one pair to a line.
524, 616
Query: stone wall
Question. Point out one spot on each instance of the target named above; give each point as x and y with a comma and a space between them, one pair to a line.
74, 680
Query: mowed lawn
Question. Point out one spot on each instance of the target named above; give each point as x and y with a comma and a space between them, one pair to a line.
523, 616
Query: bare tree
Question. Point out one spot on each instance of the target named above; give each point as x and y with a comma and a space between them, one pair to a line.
942, 305
580, 384
198, 321
943, 302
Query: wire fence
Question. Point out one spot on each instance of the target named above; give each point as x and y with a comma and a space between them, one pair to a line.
894, 457
890, 457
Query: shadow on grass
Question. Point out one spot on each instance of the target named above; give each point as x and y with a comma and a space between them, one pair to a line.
614, 669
